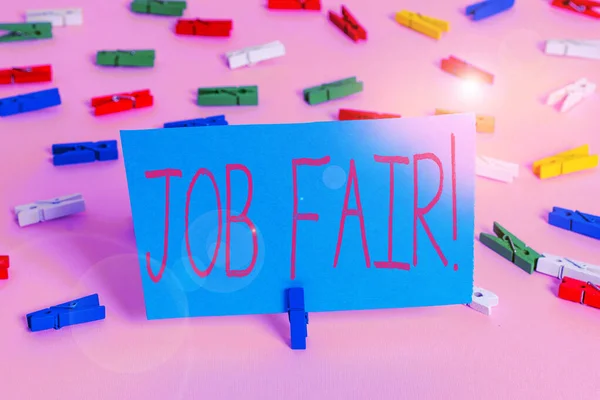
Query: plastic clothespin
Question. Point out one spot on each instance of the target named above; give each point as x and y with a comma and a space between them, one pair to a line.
507, 245
38, 73
573, 48
46, 210
84, 152
560, 267
126, 58
483, 123
488, 8
576, 221
158, 7
208, 121
309, 5
572, 94
60, 17
348, 115
348, 24
483, 300
464, 70
498, 170
228, 96
298, 318
567, 162
429, 26
18, 32
255, 54
580, 292
582, 7
333, 90
29, 102
204, 27
121, 102
79, 311
4, 265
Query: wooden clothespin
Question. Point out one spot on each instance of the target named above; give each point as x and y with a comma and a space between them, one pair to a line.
507, 245
79, 311
483, 123
575, 160
576, 221
464, 70
572, 94
498, 170
18, 32
333, 90
429, 26
348, 24
59, 17
581, 7
483, 300
573, 48
579, 292
255, 54
159, 7
4, 264
298, 318
204, 27
84, 152
46, 210
347, 115
126, 58
488, 8
115, 103
38, 73
228, 96
561, 267
29, 102
308, 5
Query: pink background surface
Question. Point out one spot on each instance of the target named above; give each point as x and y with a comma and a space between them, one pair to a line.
533, 346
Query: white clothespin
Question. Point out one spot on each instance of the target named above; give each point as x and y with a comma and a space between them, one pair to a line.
560, 267
483, 300
255, 54
572, 94
574, 48
499, 170
46, 210
61, 17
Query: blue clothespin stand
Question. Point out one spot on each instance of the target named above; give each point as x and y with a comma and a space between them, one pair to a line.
488, 8
79, 311
29, 102
298, 318
576, 221
84, 152
208, 121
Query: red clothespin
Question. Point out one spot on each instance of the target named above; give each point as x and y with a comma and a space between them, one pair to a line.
348, 24
121, 102
4, 264
580, 292
579, 6
462, 69
203, 27
314, 5
347, 115
39, 73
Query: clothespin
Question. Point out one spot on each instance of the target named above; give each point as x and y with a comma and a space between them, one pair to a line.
571, 94
39, 73
228, 96
17, 32
29, 102
204, 27
331, 91
46, 210
498, 170
208, 121
575, 160
84, 152
298, 318
429, 26
157, 7
488, 8
309, 5
580, 292
4, 265
347, 115
574, 48
255, 54
348, 24
582, 7
62, 17
560, 267
483, 123
507, 245
483, 300
576, 221
463, 70
78, 311
115, 103
126, 58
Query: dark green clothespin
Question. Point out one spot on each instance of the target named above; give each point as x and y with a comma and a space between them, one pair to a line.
17, 32
332, 91
510, 247
155, 7
228, 96
126, 58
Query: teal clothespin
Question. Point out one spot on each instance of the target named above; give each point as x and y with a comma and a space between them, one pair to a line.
510, 247
228, 96
126, 58
332, 91
170, 8
17, 32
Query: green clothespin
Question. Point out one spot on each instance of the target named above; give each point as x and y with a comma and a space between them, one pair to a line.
171, 8
510, 247
126, 58
332, 91
228, 96
17, 32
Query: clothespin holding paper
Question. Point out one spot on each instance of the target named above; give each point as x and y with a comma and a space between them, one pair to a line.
228, 96
483, 300
581, 7
4, 265
580, 292
208, 121
84, 152
206, 27
498, 170
560, 267
348, 24
255, 54
429, 26
126, 58
575, 160
39, 73
347, 115
488, 8
483, 123
308, 5
158, 7
18, 32
46, 210
60, 17
572, 94
119, 102
573, 48
78, 311
576, 221
507, 245
298, 318
332, 91
29, 102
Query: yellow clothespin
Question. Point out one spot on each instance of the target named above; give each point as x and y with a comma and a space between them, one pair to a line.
431, 27
483, 123
575, 160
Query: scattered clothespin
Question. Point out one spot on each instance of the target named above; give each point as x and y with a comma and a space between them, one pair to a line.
228, 96
575, 160
571, 94
46, 210
507, 245
498, 170
122, 102
431, 27
560, 267
29, 102
583, 7
63, 17
348, 24
580, 292
126, 58
84, 152
208, 121
488, 8
204, 27
347, 115
298, 318
462, 69
576, 221
309, 5
483, 300
333, 90
17, 32
4, 264
39, 73
79, 311
157, 7
574, 48
483, 123
255, 54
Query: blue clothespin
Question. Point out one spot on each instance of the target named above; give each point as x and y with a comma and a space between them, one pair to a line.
79, 311
84, 152
208, 121
488, 8
298, 318
29, 102
576, 221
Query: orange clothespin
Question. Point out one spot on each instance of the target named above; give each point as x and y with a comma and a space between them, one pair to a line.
121, 102
580, 292
4, 264
582, 7
348, 24
462, 69
483, 123
39, 73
